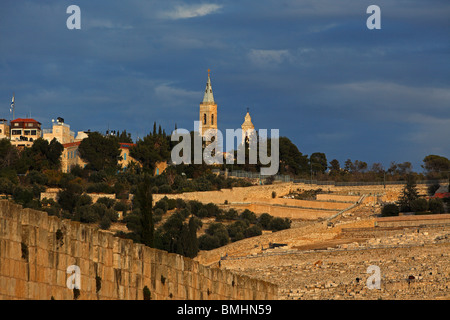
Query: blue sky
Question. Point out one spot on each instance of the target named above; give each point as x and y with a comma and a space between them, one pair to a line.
309, 68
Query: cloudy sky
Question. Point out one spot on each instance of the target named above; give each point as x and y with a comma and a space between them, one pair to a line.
310, 68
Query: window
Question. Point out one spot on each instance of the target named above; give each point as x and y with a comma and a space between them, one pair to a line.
212, 119
0, 130
26, 132
204, 118
33, 132
16, 124
16, 132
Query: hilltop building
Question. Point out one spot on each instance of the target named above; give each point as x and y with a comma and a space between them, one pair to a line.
4, 129
24, 132
59, 131
70, 156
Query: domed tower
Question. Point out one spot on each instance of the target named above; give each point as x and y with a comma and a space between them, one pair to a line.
248, 129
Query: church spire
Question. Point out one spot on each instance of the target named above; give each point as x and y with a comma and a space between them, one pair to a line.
208, 97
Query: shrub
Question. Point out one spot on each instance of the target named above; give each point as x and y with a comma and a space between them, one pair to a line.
436, 206
264, 220
121, 206
236, 230
22, 196
24, 250
158, 212
249, 216
100, 187
196, 206
213, 210
165, 188
87, 214
220, 231
6, 186
419, 205
172, 204
253, 231
231, 214
105, 222
109, 203
76, 293
37, 177
162, 204
208, 242
390, 210
84, 200
180, 203
98, 284
96, 176
146, 292
202, 213
277, 224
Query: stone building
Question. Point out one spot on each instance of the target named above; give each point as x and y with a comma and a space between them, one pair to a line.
70, 157
248, 129
125, 154
24, 132
59, 131
4, 129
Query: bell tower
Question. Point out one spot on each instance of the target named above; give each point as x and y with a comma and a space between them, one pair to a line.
208, 110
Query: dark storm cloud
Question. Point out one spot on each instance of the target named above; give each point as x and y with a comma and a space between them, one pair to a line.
310, 68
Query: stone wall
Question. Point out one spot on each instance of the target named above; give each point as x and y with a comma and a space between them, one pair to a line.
264, 192
413, 220
283, 211
52, 193
238, 194
34, 261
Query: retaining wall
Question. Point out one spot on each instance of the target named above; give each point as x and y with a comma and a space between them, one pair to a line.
34, 261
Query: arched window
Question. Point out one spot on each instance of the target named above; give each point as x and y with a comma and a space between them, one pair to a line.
204, 118
212, 119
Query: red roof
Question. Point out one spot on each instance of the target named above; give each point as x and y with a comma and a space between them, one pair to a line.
71, 144
126, 145
25, 120
122, 144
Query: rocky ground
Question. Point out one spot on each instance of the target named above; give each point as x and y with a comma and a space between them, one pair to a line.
414, 263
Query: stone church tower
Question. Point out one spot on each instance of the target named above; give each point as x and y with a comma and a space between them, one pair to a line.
208, 110
248, 129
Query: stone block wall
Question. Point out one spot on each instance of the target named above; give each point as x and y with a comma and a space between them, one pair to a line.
36, 250
264, 193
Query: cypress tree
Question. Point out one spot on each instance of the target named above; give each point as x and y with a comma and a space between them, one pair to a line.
409, 194
144, 200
